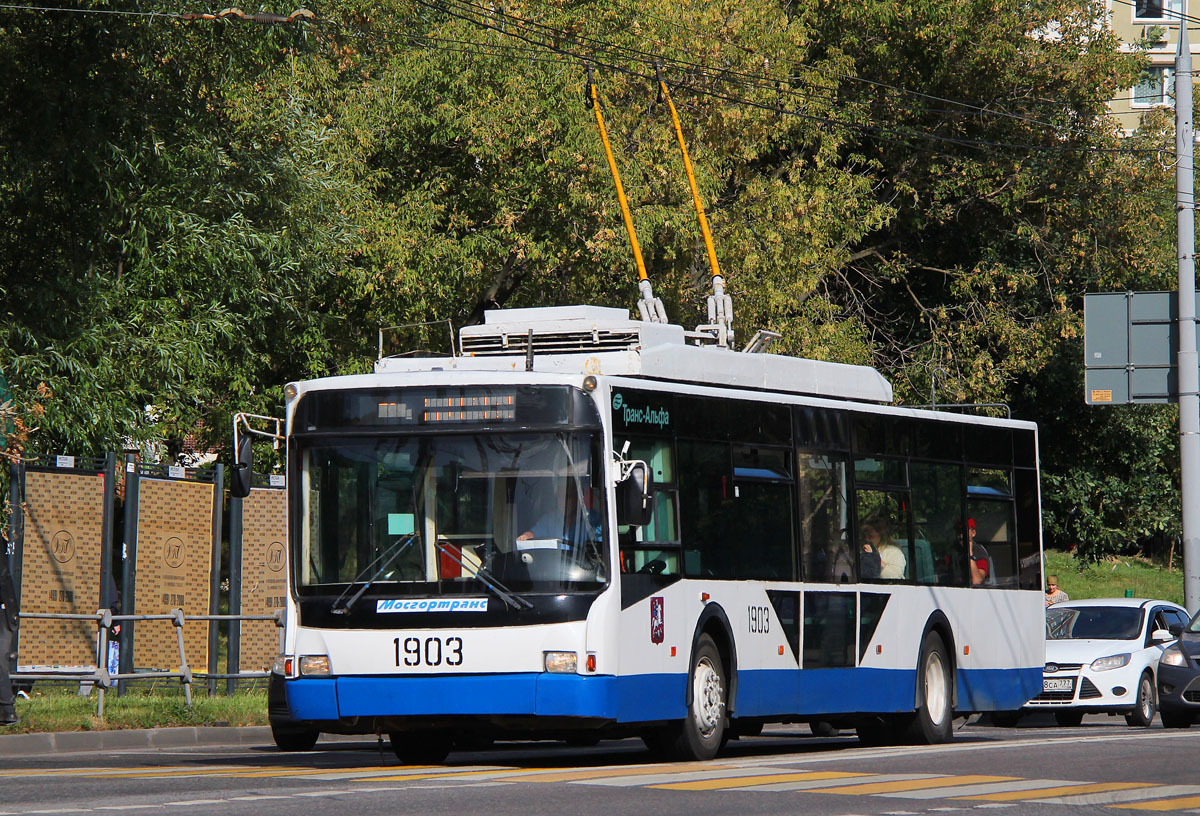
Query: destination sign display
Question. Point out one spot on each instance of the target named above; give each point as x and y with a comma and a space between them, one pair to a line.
431, 407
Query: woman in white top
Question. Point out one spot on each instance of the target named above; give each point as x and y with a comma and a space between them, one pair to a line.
877, 538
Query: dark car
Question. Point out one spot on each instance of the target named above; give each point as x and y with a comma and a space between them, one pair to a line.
1179, 679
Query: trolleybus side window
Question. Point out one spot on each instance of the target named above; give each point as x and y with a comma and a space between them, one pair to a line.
654, 547
763, 496
884, 524
736, 511
939, 556
826, 548
990, 506
708, 517
1029, 545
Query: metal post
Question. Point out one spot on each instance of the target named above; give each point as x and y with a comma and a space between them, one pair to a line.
214, 600
128, 567
108, 586
16, 544
234, 664
16, 550
1189, 376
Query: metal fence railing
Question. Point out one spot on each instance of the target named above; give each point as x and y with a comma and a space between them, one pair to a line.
104, 680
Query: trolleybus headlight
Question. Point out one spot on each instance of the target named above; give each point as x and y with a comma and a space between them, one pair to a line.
283, 665
562, 662
311, 665
1110, 662
1173, 656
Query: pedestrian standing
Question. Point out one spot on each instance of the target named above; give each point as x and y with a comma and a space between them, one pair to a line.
1053, 593
8, 627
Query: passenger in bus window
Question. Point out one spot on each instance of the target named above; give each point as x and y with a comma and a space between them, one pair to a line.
877, 538
977, 557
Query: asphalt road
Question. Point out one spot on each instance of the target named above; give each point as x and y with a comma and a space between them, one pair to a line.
1101, 767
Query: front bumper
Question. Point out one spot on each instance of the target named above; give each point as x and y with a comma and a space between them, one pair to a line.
1109, 691
1178, 689
531, 696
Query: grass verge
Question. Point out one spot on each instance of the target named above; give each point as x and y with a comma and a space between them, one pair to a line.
1112, 578
59, 707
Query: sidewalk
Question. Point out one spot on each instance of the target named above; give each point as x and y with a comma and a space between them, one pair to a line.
99, 741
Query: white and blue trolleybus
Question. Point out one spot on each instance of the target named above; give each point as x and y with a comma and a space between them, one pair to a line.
582, 526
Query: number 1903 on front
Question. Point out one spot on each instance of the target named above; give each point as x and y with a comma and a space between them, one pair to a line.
429, 651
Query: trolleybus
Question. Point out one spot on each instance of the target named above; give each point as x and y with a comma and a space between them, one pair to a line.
581, 526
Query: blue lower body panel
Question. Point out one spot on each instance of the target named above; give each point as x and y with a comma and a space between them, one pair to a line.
998, 689
644, 697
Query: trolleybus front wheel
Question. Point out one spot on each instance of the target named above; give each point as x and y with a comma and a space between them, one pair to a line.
290, 737
702, 732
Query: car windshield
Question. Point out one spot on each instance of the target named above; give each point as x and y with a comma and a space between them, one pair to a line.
416, 516
1093, 623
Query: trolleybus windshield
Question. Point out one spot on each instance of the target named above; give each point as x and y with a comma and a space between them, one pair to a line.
428, 515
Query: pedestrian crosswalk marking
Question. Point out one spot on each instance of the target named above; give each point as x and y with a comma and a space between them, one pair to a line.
750, 781
1163, 804
728, 776
911, 784
598, 773
1042, 793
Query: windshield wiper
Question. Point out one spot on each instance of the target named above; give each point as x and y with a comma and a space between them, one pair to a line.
387, 557
502, 592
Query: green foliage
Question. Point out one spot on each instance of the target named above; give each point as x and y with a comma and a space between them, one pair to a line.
196, 212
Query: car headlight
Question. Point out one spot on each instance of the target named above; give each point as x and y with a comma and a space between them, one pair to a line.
1173, 656
1111, 662
562, 662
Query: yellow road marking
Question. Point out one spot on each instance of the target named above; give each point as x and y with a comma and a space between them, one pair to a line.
154, 773
1065, 790
746, 781
600, 773
84, 771
1163, 804
913, 784
405, 777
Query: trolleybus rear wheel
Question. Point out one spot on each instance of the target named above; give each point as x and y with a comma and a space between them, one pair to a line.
421, 747
934, 720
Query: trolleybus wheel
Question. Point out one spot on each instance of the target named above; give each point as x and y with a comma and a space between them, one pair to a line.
421, 747
934, 720
293, 737
702, 732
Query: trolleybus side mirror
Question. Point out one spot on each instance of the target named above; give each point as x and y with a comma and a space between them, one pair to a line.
242, 472
635, 496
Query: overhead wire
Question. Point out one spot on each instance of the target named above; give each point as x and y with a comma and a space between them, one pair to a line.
966, 105
535, 35
462, 9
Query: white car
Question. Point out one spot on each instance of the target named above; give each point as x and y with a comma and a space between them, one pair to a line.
1102, 658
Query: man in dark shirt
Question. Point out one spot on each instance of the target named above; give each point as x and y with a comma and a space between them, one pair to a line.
8, 625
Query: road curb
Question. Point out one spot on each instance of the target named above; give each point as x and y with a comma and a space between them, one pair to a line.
98, 741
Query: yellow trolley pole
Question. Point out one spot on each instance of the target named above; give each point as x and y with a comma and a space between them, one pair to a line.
720, 305
650, 307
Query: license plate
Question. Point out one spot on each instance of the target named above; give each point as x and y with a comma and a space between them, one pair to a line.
1058, 684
